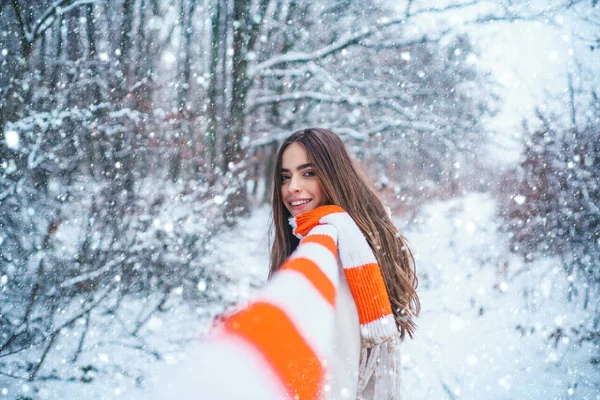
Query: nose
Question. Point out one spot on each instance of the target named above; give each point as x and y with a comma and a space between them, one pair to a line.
294, 185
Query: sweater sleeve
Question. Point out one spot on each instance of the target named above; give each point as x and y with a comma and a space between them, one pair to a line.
280, 344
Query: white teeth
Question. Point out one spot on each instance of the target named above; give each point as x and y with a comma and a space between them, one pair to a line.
297, 203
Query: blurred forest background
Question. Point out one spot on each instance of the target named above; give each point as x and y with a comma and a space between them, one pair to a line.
133, 131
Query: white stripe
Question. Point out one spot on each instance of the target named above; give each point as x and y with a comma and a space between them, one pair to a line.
353, 247
322, 257
294, 225
313, 316
327, 229
383, 328
226, 367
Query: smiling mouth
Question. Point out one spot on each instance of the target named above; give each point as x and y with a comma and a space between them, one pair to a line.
299, 203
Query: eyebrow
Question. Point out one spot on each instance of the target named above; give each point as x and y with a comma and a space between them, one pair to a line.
300, 167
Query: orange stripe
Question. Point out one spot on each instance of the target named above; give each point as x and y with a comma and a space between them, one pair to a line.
270, 330
314, 274
305, 222
322, 239
365, 282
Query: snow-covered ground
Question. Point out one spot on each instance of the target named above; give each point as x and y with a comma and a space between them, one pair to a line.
115, 365
483, 332
487, 317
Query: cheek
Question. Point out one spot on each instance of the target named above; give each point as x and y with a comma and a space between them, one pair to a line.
318, 192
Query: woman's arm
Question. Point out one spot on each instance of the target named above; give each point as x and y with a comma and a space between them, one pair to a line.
278, 346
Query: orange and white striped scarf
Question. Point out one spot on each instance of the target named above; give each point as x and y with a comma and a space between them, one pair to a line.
277, 347
361, 270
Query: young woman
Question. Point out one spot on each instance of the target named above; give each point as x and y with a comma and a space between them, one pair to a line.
314, 169
341, 294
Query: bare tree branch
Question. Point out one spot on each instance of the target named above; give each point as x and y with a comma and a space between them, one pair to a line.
30, 34
256, 25
316, 96
344, 42
409, 4
82, 338
44, 354
21, 378
22, 26
394, 45
92, 274
352, 100
143, 348
382, 126
52, 13
22, 327
438, 10
159, 306
69, 322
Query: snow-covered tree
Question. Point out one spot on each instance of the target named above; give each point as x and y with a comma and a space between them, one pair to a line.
551, 201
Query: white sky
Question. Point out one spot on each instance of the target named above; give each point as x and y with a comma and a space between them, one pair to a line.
530, 60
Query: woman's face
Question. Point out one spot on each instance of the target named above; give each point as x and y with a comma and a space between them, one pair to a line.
301, 190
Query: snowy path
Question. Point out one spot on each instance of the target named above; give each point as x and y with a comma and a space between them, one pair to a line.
486, 316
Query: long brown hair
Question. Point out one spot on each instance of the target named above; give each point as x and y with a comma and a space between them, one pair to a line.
344, 185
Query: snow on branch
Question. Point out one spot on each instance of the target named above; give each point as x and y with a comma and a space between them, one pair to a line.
385, 100
310, 69
92, 274
394, 45
58, 8
316, 96
346, 41
29, 35
17, 10
396, 123
291, 72
450, 7
510, 15
381, 126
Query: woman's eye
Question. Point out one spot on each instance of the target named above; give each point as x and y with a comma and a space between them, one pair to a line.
284, 177
309, 173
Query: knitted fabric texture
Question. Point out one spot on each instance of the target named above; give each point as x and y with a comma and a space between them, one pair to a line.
277, 346
377, 324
